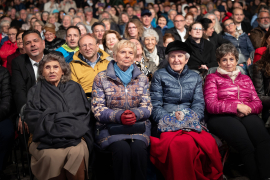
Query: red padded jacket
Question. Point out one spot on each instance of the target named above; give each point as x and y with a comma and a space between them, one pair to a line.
7, 49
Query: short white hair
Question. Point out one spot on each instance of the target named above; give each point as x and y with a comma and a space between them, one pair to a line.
150, 33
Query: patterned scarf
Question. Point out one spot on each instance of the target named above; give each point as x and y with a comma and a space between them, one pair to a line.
144, 69
232, 74
124, 76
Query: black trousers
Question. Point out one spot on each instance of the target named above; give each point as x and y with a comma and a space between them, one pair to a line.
129, 160
249, 137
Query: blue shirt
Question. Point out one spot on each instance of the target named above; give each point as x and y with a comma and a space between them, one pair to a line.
170, 24
92, 64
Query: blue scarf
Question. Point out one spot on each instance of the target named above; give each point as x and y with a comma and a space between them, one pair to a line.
126, 76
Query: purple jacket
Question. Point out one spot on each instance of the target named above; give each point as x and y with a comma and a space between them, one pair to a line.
110, 98
222, 95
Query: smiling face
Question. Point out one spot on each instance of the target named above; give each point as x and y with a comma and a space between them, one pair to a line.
66, 21
228, 63
33, 45
177, 60
49, 36
124, 58
189, 20
111, 40
20, 41
212, 18
210, 30
150, 43
52, 72
162, 22
72, 38
88, 47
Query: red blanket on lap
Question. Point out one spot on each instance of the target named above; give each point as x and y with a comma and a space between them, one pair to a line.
186, 156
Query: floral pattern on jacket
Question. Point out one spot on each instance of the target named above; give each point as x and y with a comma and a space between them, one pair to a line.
110, 98
222, 95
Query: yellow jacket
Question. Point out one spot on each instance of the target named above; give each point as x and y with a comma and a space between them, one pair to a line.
84, 74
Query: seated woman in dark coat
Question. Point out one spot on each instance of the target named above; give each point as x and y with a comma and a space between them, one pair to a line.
121, 104
203, 52
261, 81
51, 41
58, 115
184, 150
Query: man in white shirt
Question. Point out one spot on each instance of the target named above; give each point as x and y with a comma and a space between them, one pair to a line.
178, 31
238, 18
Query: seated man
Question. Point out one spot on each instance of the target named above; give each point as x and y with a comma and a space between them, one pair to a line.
71, 46
88, 62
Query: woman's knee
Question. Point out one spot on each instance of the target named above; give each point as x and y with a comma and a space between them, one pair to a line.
138, 148
120, 149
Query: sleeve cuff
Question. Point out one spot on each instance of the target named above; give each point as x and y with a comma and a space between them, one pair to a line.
118, 116
137, 114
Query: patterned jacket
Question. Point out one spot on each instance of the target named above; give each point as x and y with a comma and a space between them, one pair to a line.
110, 98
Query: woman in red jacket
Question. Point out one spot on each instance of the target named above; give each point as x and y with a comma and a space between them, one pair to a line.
9, 47
233, 105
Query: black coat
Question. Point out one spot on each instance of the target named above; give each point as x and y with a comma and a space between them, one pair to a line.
23, 78
246, 27
207, 57
5, 94
115, 27
55, 44
175, 34
217, 40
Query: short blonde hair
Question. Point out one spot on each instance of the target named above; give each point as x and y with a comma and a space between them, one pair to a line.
125, 44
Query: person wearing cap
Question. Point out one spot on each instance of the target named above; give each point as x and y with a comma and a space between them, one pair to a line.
181, 148
51, 41
146, 21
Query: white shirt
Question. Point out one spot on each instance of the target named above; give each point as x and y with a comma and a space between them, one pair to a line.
239, 27
182, 34
35, 67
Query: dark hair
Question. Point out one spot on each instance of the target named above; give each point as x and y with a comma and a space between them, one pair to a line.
73, 27
192, 7
264, 63
190, 28
31, 32
227, 48
205, 23
19, 32
73, 9
14, 27
97, 24
265, 37
161, 16
117, 12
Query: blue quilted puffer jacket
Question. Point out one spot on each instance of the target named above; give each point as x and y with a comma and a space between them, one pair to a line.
171, 90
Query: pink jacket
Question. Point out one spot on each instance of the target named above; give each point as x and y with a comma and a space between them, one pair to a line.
222, 95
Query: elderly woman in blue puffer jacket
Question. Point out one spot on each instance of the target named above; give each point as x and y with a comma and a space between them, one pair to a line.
184, 150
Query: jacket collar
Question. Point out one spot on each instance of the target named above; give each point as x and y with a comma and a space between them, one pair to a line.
175, 74
226, 76
111, 73
227, 34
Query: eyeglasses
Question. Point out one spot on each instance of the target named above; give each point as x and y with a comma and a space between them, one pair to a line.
264, 18
13, 34
197, 29
227, 25
179, 21
129, 28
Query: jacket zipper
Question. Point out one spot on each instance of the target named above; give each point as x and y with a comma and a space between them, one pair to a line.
180, 87
238, 90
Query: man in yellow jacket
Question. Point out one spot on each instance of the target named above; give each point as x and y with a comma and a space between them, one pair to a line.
88, 62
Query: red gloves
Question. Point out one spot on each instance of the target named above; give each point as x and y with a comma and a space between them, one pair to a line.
128, 118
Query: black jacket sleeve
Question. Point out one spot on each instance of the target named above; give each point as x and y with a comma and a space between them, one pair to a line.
5, 94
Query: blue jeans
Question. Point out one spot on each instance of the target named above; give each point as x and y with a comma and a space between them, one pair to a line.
6, 139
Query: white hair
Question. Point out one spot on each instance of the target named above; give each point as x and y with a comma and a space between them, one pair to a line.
150, 33
217, 25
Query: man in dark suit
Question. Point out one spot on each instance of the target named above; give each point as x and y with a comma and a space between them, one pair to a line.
178, 31
238, 18
25, 67
146, 21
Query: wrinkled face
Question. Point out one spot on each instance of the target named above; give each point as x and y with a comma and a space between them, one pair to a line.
88, 47
20, 41
5, 28
82, 29
177, 60
124, 57
111, 40
210, 30
66, 21
138, 46
107, 25
49, 36
168, 40
189, 20
72, 38
125, 18
33, 45
12, 35
130, 11
194, 11
196, 31
37, 26
172, 15
52, 72
150, 43
228, 63
76, 21
238, 15
179, 22
217, 13
146, 20
212, 18
230, 26
162, 22
99, 31
264, 19
132, 30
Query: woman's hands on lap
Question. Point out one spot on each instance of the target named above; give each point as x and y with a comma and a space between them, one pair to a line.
128, 118
243, 110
